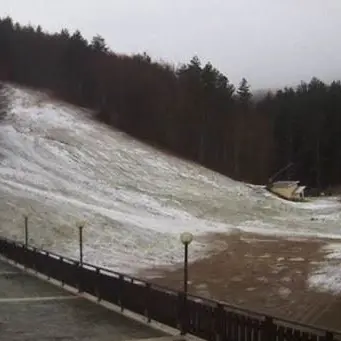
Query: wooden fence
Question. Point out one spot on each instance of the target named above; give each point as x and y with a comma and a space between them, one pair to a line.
207, 319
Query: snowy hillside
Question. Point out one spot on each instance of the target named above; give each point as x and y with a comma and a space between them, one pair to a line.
62, 167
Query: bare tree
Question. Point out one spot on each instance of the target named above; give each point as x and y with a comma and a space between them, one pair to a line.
3, 102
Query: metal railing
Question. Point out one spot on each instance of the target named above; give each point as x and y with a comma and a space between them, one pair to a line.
207, 319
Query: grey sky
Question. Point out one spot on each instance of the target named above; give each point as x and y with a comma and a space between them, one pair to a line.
270, 42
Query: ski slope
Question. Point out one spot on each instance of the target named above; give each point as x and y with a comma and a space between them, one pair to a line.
61, 167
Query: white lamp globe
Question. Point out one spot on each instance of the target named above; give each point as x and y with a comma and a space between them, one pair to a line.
186, 238
81, 223
27, 212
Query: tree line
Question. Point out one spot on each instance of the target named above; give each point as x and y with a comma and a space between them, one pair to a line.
192, 111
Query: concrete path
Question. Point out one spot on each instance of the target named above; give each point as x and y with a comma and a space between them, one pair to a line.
32, 309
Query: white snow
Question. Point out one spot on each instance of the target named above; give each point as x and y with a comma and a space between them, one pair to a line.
61, 166
333, 251
327, 276
327, 279
284, 292
297, 259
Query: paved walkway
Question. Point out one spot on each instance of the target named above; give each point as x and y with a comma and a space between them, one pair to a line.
32, 309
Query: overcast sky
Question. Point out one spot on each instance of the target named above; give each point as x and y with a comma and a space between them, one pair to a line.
270, 42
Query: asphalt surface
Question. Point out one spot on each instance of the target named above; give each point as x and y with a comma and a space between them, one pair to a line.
35, 310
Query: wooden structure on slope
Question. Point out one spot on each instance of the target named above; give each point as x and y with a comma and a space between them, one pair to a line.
290, 190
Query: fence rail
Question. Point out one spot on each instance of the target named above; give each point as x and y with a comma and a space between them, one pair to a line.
207, 319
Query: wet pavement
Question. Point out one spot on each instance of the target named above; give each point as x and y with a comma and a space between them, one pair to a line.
31, 309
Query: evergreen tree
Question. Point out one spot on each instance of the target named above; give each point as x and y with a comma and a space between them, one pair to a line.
244, 93
144, 57
98, 44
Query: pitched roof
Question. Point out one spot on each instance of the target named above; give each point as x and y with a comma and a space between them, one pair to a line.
299, 190
285, 184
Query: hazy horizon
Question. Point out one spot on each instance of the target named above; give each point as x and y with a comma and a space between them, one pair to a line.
271, 44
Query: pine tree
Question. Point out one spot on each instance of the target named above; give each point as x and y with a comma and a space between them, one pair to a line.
243, 92
98, 44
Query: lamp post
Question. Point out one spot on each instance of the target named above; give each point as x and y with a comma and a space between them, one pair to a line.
186, 239
26, 229
81, 225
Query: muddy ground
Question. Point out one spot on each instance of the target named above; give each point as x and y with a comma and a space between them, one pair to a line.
262, 273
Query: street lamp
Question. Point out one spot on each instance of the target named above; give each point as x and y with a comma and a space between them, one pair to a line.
26, 229
186, 239
81, 225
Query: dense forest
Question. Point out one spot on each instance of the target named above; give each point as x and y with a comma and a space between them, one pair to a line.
192, 111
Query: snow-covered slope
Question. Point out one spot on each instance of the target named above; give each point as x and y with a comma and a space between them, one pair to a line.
62, 167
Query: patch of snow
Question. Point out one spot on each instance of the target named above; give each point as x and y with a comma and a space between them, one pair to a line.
262, 279
333, 250
327, 276
297, 259
266, 255
284, 292
278, 268
315, 263
286, 279
326, 279
294, 227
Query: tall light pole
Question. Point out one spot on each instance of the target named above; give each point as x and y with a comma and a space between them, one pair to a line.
26, 229
186, 239
81, 225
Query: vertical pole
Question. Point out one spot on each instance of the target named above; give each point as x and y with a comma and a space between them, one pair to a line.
81, 245
185, 310
26, 230
186, 270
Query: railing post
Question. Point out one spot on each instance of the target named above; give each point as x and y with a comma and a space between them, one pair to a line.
329, 336
79, 270
179, 311
61, 261
268, 330
48, 275
121, 290
98, 278
34, 265
219, 323
22, 256
147, 302
183, 313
